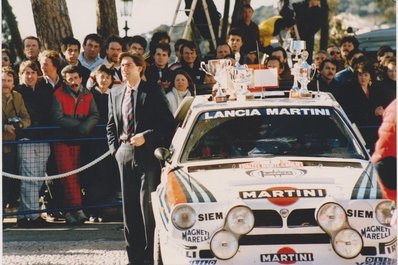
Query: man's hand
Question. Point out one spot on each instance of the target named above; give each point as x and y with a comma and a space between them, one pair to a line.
9, 129
137, 140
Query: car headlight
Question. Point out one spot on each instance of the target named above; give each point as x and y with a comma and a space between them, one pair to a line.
224, 245
384, 212
240, 220
347, 243
183, 217
331, 216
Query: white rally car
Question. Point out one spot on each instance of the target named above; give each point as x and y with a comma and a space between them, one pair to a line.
270, 180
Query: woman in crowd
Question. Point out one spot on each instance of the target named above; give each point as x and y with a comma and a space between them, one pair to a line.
103, 188
360, 99
183, 87
388, 86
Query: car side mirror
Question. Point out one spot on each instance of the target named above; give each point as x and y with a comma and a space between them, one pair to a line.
163, 154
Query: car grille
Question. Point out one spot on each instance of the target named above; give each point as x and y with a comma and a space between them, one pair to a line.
273, 219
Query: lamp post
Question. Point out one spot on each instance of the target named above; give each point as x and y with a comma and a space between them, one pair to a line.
126, 10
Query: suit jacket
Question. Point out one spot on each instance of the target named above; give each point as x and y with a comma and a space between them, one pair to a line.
151, 113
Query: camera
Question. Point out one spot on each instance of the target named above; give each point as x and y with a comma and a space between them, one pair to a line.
15, 121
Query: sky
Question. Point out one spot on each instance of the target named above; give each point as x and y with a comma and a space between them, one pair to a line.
147, 15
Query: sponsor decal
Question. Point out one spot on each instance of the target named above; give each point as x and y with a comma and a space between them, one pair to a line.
232, 113
190, 254
366, 186
375, 232
203, 262
286, 255
298, 111
210, 216
276, 173
181, 188
377, 261
282, 195
359, 213
195, 235
388, 247
271, 164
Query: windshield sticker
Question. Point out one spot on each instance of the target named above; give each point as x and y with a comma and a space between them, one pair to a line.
271, 164
232, 113
277, 173
286, 255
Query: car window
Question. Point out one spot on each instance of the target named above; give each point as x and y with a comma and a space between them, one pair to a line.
268, 132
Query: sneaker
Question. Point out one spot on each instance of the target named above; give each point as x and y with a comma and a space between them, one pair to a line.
23, 223
70, 219
39, 222
80, 217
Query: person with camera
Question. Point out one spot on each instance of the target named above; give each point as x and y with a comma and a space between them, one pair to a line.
15, 117
33, 157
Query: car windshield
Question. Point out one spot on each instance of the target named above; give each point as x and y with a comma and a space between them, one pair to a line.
267, 132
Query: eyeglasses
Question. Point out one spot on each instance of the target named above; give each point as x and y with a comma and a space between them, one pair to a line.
6, 59
334, 52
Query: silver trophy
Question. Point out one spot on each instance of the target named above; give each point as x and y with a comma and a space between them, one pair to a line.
219, 69
301, 70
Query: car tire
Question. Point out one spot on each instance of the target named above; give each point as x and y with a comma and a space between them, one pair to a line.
157, 255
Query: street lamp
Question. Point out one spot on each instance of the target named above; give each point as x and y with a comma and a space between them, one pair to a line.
126, 10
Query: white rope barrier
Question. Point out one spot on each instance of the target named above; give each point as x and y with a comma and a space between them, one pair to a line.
78, 170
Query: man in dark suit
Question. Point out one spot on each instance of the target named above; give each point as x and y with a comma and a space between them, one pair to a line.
139, 121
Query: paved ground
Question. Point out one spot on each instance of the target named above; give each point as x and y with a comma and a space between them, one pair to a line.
99, 243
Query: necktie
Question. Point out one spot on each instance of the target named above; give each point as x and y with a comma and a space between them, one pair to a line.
130, 115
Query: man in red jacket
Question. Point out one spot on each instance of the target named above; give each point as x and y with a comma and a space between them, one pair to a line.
385, 156
74, 109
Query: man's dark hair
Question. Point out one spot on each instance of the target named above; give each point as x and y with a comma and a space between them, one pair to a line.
324, 62
178, 43
274, 58
93, 36
224, 44
280, 48
189, 44
351, 39
156, 38
140, 40
383, 49
32, 38
68, 41
352, 53
113, 39
70, 69
164, 47
236, 32
247, 6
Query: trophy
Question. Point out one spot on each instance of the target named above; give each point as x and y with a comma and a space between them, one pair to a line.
301, 70
219, 70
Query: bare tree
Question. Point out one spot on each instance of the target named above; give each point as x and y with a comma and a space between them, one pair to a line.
15, 42
107, 18
52, 22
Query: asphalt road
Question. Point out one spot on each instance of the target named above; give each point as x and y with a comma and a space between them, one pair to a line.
59, 244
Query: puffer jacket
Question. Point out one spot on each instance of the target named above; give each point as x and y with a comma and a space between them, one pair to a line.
77, 113
385, 154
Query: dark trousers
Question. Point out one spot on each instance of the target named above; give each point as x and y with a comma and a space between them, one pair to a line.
137, 184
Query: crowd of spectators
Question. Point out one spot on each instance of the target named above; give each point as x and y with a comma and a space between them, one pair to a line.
75, 84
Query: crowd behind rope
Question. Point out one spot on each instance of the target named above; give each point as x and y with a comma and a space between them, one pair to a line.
71, 90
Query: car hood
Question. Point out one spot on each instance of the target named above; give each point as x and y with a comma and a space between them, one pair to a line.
279, 182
